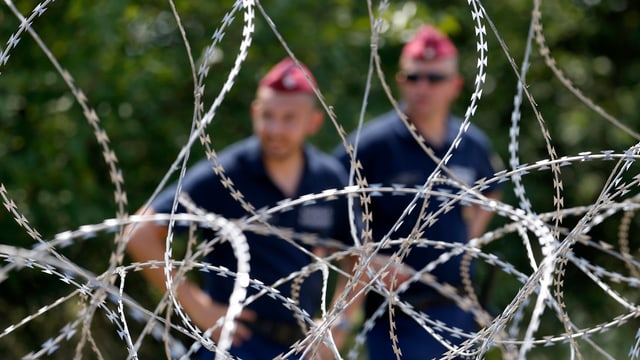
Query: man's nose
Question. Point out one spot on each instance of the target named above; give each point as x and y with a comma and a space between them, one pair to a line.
275, 127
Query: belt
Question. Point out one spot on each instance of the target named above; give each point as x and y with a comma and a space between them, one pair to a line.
280, 332
426, 301
420, 300
429, 302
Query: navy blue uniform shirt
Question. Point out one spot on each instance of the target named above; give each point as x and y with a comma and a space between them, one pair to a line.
272, 257
390, 156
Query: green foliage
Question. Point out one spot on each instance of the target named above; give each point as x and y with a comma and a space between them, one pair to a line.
130, 61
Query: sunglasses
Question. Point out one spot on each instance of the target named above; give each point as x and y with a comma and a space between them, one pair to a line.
432, 78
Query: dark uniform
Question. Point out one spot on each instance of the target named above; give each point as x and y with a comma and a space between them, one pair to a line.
272, 257
390, 156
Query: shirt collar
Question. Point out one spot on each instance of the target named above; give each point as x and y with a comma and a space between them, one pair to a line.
254, 157
404, 133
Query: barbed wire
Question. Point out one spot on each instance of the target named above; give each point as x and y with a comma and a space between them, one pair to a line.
548, 247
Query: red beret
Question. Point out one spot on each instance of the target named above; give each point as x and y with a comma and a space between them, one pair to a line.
429, 43
286, 76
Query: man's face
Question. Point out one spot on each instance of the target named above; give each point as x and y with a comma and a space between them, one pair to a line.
428, 87
282, 121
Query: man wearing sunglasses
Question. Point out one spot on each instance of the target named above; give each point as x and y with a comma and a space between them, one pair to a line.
391, 156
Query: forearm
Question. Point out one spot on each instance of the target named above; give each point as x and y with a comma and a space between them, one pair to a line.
478, 218
350, 303
145, 243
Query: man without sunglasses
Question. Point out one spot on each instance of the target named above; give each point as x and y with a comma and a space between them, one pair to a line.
275, 164
428, 81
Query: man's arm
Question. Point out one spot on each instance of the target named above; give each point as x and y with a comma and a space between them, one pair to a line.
341, 329
478, 218
147, 243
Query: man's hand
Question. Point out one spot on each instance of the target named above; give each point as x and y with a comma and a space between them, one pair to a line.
398, 271
205, 313
340, 332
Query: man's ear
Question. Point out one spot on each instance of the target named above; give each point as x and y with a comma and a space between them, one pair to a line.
400, 80
315, 123
459, 84
253, 108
